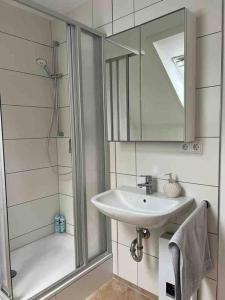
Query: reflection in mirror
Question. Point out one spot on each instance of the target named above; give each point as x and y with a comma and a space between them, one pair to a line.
150, 86
123, 85
162, 78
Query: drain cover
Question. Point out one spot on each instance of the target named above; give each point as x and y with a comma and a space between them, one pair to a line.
13, 273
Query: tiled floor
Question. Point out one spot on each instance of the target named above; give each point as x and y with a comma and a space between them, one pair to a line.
41, 264
118, 290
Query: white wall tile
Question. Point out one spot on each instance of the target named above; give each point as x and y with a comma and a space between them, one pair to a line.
22, 89
208, 13
64, 157
209, 60
82, 13
69, 229
66, 208
25, 122
65, 181
30, 237
123, 23
20, 55
112, 180
126, 233
139, 4
62, 59
34, 215
102, 12
208, 112
115, 257
148, 274
122, 8
200, 193
112, 149
63, 92
107, 29
154, 159
125, 158
127, 180
114, 230
65, 121
26, 186
127, 268
20, 22
59, 31
29, 154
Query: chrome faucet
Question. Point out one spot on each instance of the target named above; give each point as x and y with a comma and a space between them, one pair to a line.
147, 184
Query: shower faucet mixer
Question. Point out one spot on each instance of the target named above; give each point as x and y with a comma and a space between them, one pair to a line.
147, 184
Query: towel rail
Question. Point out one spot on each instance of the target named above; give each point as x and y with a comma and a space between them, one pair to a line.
207, 203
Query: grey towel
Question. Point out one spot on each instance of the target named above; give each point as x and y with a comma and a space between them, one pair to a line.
190, 252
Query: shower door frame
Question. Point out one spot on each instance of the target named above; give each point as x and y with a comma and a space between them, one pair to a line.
83, 265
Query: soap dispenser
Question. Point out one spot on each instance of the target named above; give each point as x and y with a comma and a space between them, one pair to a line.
172, 189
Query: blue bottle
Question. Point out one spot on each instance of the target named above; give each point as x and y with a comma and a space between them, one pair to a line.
57, 223
62, 223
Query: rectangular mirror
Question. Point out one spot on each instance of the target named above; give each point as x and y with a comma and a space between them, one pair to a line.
150, 86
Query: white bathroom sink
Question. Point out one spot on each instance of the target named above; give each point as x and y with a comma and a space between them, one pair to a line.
133, 206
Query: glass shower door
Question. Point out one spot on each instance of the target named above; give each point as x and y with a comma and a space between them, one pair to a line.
90, 153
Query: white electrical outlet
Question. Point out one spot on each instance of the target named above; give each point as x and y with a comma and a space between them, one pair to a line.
185, 147
194, 147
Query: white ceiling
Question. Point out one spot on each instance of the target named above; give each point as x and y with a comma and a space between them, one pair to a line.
61, 6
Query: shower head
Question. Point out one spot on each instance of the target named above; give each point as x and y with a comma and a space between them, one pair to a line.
43, 64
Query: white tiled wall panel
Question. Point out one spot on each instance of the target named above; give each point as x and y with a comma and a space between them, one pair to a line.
65, 181
26, 122
59, 31
62, 59
22, 89
64, 156
125, 158
33, 27
20, 55
127, 180
139, 4
30, 237
127, 267
200, 193
102, 12
33, 215
27, 154
30, 185
209, 60
123, 23
83, 13
148, 274
122, 8
154, 159
64, 121
66, 208
208, 112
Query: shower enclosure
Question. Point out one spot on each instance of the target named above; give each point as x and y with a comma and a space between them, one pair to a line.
53, 151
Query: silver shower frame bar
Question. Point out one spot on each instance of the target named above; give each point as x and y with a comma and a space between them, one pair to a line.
83, 265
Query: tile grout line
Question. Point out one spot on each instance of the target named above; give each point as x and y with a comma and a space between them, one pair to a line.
32, 200
25, 39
